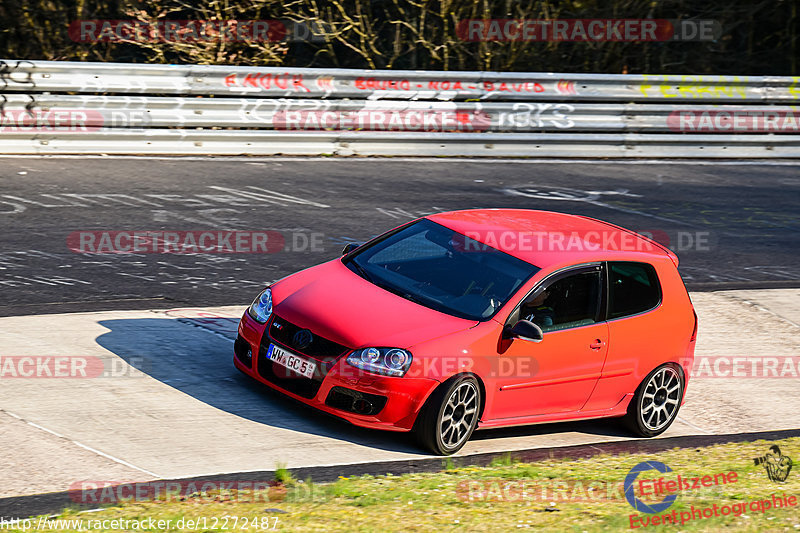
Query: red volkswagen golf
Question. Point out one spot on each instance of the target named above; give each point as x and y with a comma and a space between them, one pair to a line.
480, 318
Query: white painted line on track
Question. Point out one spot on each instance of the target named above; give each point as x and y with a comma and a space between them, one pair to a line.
489, 160
696, 428
765, 309
85, 447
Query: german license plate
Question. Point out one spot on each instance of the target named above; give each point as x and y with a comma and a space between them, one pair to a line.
302, 366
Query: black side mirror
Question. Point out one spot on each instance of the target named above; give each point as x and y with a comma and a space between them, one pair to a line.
349, 247
525, 330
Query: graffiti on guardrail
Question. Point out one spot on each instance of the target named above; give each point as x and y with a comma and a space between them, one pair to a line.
403, 84
520, 87
257, 81
325, 83
278, 81
480, 103
81, 113
17, 76
794, 87
694, 87
537, 115
566, 87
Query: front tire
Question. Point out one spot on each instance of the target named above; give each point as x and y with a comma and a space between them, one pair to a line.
450, 415
655, 405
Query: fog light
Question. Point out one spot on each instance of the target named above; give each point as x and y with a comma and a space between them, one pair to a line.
362, 406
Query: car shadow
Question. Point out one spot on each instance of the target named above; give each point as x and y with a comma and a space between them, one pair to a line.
198, 361
601, 427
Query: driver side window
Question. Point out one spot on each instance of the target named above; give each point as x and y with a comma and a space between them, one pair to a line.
568, 302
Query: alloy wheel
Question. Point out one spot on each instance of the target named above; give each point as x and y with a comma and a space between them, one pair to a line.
458, 415
661, 398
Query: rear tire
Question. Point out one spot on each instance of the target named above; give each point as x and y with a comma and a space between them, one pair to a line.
450, 415
656, 403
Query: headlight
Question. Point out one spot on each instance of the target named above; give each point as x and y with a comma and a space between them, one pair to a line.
261, 308
386, 361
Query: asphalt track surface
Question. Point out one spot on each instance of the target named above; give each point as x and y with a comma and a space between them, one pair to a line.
733, 225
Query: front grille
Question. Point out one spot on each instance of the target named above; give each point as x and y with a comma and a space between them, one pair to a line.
355, 401
320, 348
325, 352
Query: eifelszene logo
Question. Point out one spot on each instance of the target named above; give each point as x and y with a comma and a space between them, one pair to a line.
630, 481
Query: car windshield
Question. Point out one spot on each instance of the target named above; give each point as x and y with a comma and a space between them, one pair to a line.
442, 269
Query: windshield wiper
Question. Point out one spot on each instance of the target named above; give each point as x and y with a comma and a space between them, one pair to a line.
362, 272
412, 298
421, 299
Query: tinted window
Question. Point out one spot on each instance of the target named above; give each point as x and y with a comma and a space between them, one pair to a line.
569, 302
416, 246
442, 269
633, 288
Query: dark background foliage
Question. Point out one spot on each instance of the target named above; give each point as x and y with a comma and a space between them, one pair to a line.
758, 37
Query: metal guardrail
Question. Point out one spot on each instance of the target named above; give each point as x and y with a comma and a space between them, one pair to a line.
238, 142
55, 107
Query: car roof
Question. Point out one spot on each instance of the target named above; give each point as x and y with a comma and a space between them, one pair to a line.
548, 238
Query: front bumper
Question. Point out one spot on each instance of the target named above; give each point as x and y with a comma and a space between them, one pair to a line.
393, 403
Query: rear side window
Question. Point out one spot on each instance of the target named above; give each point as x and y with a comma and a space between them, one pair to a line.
633, 288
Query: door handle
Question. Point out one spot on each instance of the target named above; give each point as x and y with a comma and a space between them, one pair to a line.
597, 344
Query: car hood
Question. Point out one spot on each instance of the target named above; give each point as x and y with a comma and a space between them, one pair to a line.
334, 302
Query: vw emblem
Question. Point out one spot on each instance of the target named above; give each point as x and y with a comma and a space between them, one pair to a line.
302, 339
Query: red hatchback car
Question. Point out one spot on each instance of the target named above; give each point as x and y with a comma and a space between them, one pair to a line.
480, 318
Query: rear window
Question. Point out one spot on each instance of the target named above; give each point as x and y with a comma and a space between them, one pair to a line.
632, 288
